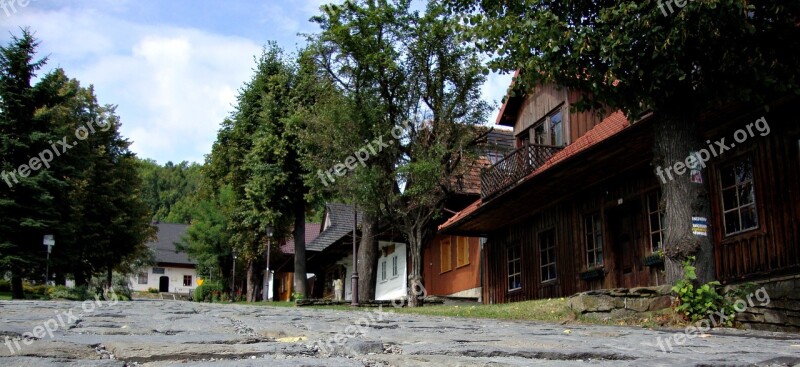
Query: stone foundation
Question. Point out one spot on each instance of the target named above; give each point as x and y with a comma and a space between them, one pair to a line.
779, 310
621, 302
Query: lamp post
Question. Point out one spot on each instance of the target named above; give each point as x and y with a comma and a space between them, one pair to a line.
233, 280
49, 241
267, 275
354, 284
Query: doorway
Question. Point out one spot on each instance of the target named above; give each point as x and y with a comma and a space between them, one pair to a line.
163, 284
624, 237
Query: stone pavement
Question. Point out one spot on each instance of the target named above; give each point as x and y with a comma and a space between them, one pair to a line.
166, 333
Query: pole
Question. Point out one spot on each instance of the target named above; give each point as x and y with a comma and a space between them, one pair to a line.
47, 267
233, 281
266, 283
354, 285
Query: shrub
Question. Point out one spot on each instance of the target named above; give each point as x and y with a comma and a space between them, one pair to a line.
35, 290
79, 293
5, 285
119, 283
208, 292
152, 290
697, 301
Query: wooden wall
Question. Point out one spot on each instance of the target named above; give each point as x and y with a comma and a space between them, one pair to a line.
566, 219
771, 249
459, 278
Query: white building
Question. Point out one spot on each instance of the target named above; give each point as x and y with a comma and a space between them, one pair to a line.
173, 272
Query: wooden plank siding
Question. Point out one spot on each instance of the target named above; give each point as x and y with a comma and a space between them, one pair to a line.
772, 248
566, 219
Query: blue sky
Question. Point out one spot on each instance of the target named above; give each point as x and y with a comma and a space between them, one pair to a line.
173, 67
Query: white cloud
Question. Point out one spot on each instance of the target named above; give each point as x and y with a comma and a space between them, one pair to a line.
173, 85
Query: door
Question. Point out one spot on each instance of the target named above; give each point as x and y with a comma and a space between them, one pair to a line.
624, 242
163, 284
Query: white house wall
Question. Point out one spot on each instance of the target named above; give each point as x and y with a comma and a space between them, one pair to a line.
175, 280
394, 286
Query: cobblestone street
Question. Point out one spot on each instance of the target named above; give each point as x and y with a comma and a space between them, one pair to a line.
163, 333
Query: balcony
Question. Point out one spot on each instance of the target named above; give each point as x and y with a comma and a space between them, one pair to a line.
513, 167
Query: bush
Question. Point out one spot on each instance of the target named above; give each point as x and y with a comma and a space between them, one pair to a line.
5, 285
152, 290
697, 301
208, 292
119, 283
79, 293
35, 290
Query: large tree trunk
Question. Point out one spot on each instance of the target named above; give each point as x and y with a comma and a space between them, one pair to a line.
109, 277
253, 282
675, 139
367, 258
16, 287
300, 249
415, 287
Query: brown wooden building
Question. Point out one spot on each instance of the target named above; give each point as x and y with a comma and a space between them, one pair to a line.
576, 206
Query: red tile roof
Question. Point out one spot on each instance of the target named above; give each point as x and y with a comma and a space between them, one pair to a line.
610, 126
312, 231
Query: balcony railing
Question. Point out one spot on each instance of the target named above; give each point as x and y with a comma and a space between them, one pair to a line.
514, 167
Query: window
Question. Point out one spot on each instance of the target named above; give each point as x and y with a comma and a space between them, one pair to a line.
594, 240
142, 278
158, 270
547, 255
394, 266
462, 252
383, 270
187, 280
445, 257
556, 129
738, 197
656, 217
514, 268
549, 131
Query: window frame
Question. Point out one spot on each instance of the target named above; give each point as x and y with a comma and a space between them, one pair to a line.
395, 272
514, 264
161, 271
552, 261
449, 256
184, 280
723, 211
146, 278
383, 271
462, 252
592, 235
661, 223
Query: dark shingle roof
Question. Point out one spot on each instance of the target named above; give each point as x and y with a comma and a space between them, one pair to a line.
164, 246
341, 218
312, 231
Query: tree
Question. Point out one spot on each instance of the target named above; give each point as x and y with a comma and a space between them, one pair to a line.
648, 55
169, 190
408, 78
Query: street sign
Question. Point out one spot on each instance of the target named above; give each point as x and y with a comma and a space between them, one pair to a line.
49, 240
199, 281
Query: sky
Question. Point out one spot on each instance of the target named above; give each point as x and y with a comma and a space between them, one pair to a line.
173, 68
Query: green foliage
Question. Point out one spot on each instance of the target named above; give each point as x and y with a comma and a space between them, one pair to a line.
152, 290
697, 301
80, 293
170, 190
208, 292
5, 285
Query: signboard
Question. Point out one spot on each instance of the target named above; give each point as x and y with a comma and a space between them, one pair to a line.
49, 240
700, 226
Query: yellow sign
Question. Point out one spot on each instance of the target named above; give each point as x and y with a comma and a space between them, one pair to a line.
199, 281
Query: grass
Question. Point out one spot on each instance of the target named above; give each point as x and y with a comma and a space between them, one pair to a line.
553, 310
5, 296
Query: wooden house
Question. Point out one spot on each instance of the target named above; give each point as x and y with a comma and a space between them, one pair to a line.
575, 206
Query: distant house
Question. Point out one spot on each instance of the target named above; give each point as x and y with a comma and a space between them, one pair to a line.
330, 256
452, 264
280, 286
173, 272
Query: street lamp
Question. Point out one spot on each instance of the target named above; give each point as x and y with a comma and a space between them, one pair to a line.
49, 241
354, 284
233, 281
267, 275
